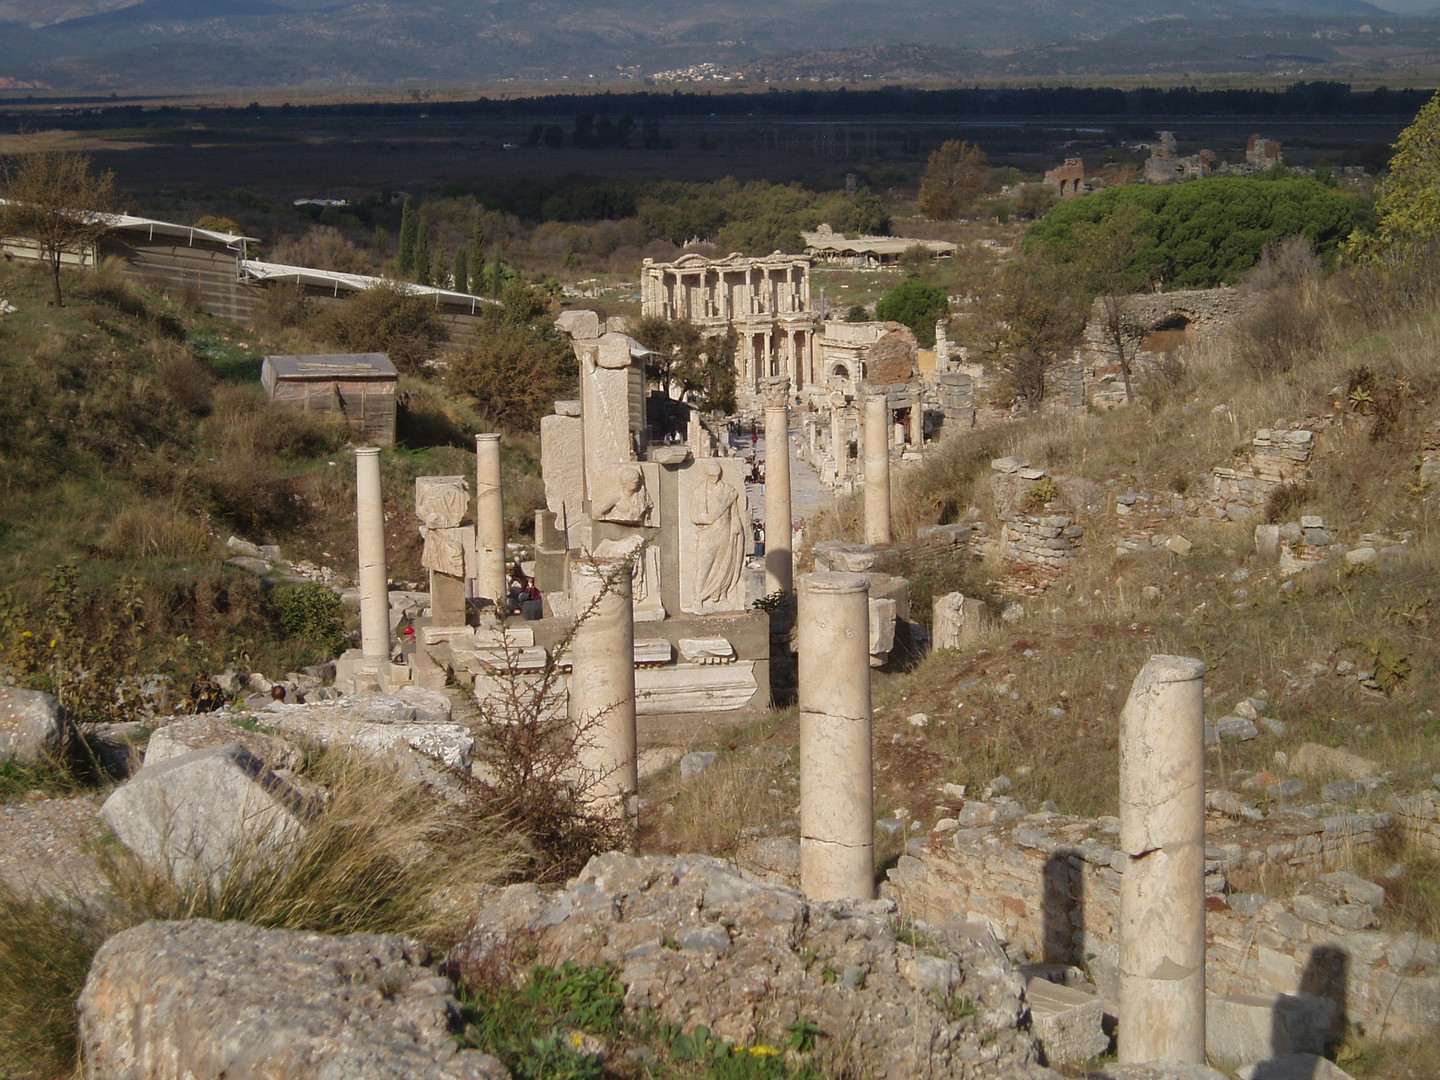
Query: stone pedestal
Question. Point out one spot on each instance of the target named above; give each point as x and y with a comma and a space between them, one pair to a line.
956, 621
779, 561
447, 600
602, 681
877, 471
374, 586
837, 837
489, 520
1162, 893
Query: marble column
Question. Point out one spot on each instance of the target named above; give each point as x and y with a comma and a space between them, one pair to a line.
837, 832
602, 681
374, 582
489, 520
779, 525
877, 470
1162, 891
838, 450
917, 423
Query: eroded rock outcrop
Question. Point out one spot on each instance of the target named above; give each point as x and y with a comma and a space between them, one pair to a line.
201, 1000
700, 945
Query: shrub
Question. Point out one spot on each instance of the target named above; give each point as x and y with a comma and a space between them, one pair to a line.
386, 318
917, 304
311, 613
155, 534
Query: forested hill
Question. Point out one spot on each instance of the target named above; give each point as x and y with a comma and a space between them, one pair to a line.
115, 45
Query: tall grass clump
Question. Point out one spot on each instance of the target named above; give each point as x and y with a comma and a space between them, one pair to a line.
379, 856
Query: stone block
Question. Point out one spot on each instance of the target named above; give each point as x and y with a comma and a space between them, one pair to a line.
1236, 729
1068, 1022
191, 817
192, 733
200, 1000
1294, 1067
1316, 761
882, 630
32, 724
1245, 1028
696, 762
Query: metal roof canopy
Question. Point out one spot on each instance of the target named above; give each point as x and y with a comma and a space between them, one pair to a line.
329, 366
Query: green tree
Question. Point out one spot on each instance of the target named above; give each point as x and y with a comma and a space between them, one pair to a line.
518, 363
1205, 232
917, 304
54, 200
386, 318
954, 178
1409, 203
405, 260
422, 273
462, 272
701, 367
1034, 318
1113, 272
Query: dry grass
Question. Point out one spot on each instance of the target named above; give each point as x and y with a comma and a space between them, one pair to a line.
381, 857
711, 812
155, 533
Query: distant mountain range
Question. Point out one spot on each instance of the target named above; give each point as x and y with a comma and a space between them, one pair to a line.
126, 45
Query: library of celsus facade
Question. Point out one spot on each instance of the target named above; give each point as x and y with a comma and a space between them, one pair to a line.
766, 300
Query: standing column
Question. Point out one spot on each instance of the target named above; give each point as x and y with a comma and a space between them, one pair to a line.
877, 471
779, 525
838, 450
374, 582
837, 831
1162, 891
489, 520
602, 681
917, 423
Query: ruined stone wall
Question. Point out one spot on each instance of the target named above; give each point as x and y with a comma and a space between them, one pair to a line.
1048, 886
1036, 532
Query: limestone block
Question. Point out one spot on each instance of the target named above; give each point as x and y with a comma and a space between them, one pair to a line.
190, 817
957, 621
201, 1000
882, 630
605, 402
212, 729
1245, 1028
1294, 1067
655, 651
562, 464
1316, 761
578, 323
32, 724
1068, 1022
442, 502
704, 688
380, 725
711, 650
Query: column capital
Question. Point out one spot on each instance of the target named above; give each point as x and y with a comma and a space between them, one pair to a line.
775, 391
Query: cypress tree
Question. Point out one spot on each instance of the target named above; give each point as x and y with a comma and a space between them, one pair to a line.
462, 272
422, 254
477, 242
405, 261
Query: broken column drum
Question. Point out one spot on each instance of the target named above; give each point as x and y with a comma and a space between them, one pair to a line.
374, 582
779, 562
877, 471
1162, 892
837, 832
602, 680
489, 519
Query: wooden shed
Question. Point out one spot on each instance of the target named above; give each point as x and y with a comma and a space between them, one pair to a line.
359, 386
